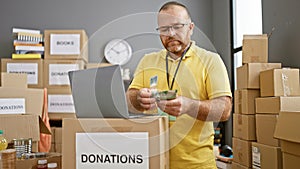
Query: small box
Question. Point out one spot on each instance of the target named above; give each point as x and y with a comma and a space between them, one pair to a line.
255, 49
242, 152
66, 44
60, 104
32, 67
244, 126
265, 127
248, 74
88, 129
244, 100
279, 82
264, 156
56, 72
275, 105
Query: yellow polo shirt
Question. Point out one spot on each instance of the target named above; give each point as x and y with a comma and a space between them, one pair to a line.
202, 75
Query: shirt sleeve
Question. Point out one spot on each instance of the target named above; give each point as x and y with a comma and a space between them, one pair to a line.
217, 79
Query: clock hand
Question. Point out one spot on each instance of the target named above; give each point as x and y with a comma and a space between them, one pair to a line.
115, 50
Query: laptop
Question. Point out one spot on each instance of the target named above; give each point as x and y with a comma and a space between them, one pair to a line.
99, 93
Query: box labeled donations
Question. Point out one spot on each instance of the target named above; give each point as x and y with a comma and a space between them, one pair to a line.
115, 143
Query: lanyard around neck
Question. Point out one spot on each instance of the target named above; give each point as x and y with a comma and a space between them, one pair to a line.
167, 68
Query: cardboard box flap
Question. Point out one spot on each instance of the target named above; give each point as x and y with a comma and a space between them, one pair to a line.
43, 128
287, 125
16, 80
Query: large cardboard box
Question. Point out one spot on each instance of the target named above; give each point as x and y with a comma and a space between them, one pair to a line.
60, 104
286, 131
265, 127
242, 152
290, 161
32, 163
156, 127
255, 49
274, 105
264, 156
23, 126
244, 126
32, 67
56, 72
279, 82
66, 44
244, 101
235, 165
248, 74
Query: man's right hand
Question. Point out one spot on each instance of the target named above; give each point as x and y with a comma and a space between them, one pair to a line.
145, 100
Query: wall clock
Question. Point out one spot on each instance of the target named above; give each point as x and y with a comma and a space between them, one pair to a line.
117, 52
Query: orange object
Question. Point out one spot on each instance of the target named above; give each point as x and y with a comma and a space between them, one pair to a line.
45, 139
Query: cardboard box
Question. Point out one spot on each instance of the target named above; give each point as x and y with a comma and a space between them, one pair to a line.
239, 166
66, 44
264, 156
279, 82
248, 74
255, 49
244, 126
32, 100
32, 67
32, 163
22, 126
265, 127
60, 104
274, 105
155, 126
95, 65
242, 152
286, 131
290, 161
223, 165
56, 139
56, 72
244, 101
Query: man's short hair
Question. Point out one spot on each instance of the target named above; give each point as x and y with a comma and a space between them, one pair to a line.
174, 3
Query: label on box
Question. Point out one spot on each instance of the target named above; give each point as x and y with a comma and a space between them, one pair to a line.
12, 106
31, 69
58, 73
60, 104
112, 150
64, 44
255, 157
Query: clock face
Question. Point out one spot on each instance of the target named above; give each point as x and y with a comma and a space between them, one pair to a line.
117, 52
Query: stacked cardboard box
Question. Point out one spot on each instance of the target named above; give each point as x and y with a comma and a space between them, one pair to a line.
255, 57
21, 108
279, 94
65, 50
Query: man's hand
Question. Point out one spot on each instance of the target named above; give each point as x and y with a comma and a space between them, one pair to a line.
177, 106
145, 100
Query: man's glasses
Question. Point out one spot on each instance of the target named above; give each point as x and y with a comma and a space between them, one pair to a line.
175, 27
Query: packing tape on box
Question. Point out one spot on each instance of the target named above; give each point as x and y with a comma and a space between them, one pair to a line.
285, 86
